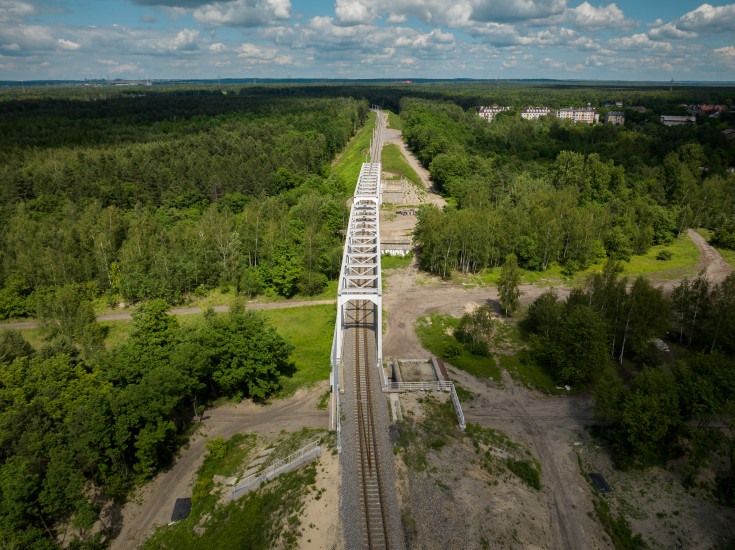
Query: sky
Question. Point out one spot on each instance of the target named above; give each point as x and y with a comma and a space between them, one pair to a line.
402, 39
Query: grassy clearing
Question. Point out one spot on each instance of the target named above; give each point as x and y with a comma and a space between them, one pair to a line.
434, 332
310, 329
394, 121
727, 254
395, 262
347, 168
684, 258
463, 394
265, 518
618, 529
394, 162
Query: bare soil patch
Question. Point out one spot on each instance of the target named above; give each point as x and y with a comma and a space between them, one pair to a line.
321, 528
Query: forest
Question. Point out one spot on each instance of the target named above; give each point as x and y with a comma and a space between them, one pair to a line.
152, 197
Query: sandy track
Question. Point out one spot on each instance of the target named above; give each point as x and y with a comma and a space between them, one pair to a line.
396, 137
152, 504
187, 311
710, 259
548, 426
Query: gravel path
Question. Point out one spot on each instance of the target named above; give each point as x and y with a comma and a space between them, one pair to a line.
187, 311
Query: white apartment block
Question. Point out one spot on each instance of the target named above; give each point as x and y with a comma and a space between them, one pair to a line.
488, 113
535, 112
579, 114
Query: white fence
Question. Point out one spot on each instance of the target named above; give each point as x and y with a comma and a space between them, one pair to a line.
458, 408
277, 468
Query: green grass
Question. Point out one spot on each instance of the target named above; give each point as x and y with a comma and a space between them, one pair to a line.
347, 168
618, 529
394, 162
395, 122
727, 254
685, 256
432, 332
526, 470
522, 368
395, 262
462, 394
310, 329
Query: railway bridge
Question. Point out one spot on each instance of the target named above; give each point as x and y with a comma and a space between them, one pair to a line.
359, 410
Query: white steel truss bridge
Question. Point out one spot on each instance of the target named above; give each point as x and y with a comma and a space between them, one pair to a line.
360, 277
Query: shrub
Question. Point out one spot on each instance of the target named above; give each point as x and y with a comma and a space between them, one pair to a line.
526, 470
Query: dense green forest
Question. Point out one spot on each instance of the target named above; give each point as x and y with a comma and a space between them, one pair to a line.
153, 197
76, 431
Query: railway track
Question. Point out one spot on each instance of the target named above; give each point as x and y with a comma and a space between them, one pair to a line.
375, 525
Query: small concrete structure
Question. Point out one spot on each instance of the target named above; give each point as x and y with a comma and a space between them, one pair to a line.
396, 247
393, 192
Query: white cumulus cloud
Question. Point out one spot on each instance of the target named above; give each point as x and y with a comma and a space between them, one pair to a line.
65, 44
727, 51
709, 18
639, 42
15, 10
353, 12
587, 17
243, 13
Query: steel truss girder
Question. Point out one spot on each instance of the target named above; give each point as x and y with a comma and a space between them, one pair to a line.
360, 277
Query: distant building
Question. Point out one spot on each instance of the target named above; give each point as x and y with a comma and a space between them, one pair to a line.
676, 120
488, 113
535, 112
729, 133
615, 117
579, 114
711, 108
637, 108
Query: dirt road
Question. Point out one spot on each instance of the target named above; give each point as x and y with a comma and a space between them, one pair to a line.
186, 311
396, 137
549, 426
710, 259
152, 504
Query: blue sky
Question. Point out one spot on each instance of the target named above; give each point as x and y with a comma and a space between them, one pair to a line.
565, 39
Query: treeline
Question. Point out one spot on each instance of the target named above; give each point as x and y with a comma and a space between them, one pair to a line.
558, 191
128, 153
75, 433
285, 244
242, 200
